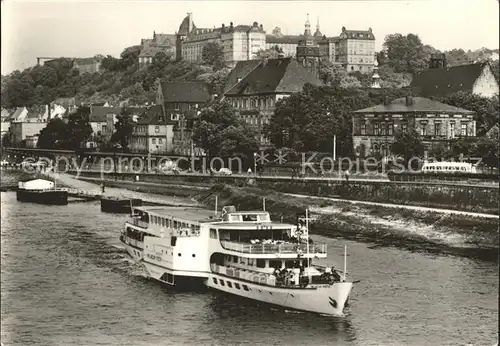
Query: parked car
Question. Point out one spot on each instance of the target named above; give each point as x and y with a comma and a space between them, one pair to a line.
225, 171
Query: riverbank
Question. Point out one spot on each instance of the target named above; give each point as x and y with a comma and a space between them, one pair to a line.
411, 229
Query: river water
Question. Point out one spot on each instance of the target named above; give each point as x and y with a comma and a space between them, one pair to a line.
65, 281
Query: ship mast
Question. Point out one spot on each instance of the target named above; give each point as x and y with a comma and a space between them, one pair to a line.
307, 238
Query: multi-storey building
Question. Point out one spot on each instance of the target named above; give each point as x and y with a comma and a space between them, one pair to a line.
261, 84
153, 132
441, 80
355, 50
88, 65
165, 43
181, 103
374, 127
240, 42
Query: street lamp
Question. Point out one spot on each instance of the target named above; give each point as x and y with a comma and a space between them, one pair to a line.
255, 163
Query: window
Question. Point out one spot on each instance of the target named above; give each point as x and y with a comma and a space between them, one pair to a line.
261, 263
154, 140
245, 287
423, 128
160, 141
463, 131
452, 130
390, 129
213, 233
437, 128
157, 129
363, 128
376, 129
215, 280
404, 127
222, 283
382, 129
229, 284
237, 285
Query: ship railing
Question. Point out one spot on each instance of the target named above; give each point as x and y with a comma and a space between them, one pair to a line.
261, 278
139, 223
284, 248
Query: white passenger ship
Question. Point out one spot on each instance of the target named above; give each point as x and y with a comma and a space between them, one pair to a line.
242, 253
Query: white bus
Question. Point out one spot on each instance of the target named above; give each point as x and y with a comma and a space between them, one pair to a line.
448, 167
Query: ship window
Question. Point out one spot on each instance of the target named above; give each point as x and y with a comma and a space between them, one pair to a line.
261, 263
237, 285
173, 241
245, 287
229, 284
215, 280
163, 223
213, 233
222, 283
250, 261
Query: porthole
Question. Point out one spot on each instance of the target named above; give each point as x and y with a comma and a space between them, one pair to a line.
193, 255
179, 254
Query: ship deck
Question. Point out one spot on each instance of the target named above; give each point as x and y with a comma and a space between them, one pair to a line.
185, 213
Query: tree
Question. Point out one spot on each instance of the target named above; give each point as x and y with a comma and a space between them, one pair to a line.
19, 90
7, 139
53, 135
213, 54
124, 127
161, 60
487, 109
407, 53
135, 93
487, 149
495, 69
408, 145
216, 80
78, 128
220, 132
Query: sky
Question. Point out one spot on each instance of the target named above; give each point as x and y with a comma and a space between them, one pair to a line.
73, 28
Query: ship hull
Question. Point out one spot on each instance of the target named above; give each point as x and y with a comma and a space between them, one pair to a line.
119, 206
327, 300
133, 248
50, 197
176, 278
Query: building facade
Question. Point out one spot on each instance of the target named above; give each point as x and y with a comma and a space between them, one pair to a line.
181, 103
240, 42
355, 50
441, 80
88, 65
21, 131
259, 88
165, 43
153, 132
374, 128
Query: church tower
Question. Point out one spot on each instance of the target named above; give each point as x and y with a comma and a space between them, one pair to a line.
308, 53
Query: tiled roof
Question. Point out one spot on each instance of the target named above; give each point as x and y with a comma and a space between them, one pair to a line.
98, 113
358, 34
196, 92
17, 113
164, 40
137, 110
420, 104
284, 75
154, 116
241, 69
447, 80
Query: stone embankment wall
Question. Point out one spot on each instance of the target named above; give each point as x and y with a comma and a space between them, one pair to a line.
483, 199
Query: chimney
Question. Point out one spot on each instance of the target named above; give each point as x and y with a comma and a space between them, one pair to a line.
386, 100
190, 21
409, 100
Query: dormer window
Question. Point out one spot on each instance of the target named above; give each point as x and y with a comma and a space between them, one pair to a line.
174, 116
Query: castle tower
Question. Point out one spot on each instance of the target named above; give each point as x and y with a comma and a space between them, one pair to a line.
375, 76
